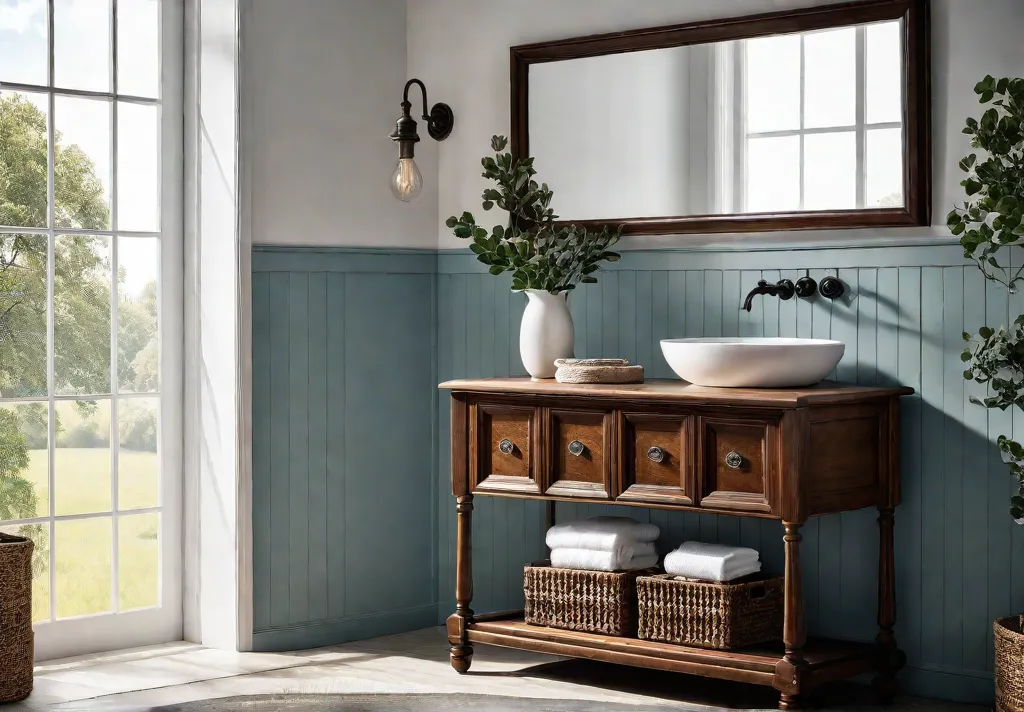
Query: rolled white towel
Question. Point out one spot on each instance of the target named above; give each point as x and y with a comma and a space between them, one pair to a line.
712, 562
600, 534
589, 560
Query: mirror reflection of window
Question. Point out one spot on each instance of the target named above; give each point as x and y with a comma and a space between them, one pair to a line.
821, 121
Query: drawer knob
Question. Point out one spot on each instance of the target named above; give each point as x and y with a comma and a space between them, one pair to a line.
576, 448
734, 460
655, 454
506, 447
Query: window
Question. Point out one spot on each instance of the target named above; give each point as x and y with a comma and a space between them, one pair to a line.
87, 220
823, 115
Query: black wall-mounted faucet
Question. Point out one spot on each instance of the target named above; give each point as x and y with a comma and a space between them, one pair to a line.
783, 289
805, 287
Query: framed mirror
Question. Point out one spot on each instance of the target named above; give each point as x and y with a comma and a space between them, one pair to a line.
816, 118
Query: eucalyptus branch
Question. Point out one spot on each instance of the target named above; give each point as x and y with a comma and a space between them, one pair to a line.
992, 218
540, 254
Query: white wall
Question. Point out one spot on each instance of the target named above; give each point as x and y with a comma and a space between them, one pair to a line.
326, 80
460, 48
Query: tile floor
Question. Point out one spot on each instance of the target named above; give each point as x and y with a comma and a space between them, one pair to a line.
414, 662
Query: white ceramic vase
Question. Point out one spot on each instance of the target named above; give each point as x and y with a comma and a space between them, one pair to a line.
546, 333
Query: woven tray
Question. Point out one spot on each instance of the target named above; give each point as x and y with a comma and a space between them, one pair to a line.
587, 601
710, 615
597, 370
17, 640
1009, 665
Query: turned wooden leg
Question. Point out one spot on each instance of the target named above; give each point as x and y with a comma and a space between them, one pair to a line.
789, 671
890, 658
461, 650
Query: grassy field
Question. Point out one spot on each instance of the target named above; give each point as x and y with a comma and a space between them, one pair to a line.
84, 548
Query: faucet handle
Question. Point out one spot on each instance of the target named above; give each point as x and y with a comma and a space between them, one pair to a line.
786, 289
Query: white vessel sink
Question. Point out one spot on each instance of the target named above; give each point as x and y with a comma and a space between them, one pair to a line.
742, 362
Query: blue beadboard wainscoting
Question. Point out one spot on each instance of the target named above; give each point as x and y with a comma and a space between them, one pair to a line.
344, 372
344, 388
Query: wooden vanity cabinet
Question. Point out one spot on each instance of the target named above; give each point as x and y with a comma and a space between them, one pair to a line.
786, 454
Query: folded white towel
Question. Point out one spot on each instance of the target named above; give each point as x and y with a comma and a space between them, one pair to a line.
712, 562
730, 574
589, 560
600, 533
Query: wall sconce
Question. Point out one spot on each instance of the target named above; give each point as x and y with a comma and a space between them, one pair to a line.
406, 181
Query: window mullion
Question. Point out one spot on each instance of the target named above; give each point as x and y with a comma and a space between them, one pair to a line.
115, 431
803, 104
51, 385
859, 103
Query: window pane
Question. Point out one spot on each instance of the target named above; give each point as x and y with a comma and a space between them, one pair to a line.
830, 171
81, 314
138, 359
40, 536
883, 53
830, 78
138, 551
137, 463
82, 172
23, 45
138, 47
773, 83
773, 174
24, 475
884, 185
82, 457
83, 566
138, 167
22, 315
23, 159
81, 44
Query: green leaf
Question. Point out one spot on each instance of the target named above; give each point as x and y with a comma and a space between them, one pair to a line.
969, 375
487, 205
451, 222
986, 332
496, 269
965, 356
971, 186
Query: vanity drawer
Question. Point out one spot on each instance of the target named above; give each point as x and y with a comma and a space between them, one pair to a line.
506, 453
579, 456
736, 459
657, 459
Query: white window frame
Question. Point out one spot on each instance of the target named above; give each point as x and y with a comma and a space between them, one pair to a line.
860, 127
110, 630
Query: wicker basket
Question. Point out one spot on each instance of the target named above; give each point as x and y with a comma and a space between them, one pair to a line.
1009, 664
587, 601
710, 615
16, 637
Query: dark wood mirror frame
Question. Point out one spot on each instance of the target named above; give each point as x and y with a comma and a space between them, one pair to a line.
916, 112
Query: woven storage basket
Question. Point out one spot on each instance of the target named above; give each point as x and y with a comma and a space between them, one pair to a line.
1009, 661
710, 615
587, 601
16, 638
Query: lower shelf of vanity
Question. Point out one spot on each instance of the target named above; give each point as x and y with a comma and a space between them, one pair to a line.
827, 660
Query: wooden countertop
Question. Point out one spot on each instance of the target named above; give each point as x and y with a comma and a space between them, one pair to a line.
824, 393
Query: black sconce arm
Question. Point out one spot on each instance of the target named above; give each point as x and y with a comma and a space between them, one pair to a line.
406, 104
439, 121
